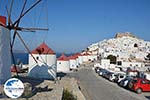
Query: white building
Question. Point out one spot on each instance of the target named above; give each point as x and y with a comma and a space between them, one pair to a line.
85, 57
5, 55
132, 64
105, 63
77, 59
46, 63
80, 59
63, 64
92, 57
73, 62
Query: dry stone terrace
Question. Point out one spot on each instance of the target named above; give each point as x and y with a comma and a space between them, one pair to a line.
49, 90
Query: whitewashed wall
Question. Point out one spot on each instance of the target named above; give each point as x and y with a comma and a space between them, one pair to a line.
80, 59
73, 64
132, 64
5, 55
105, 63
45, 62
63, 66
85, 58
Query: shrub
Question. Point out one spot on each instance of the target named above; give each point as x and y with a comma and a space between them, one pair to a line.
67, 95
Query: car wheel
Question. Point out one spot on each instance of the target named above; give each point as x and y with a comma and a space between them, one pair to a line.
139, 91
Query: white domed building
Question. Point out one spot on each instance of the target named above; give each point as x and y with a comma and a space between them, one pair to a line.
46, 63
63, 64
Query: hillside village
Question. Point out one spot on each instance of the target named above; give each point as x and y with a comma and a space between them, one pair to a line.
119, 53
129, 51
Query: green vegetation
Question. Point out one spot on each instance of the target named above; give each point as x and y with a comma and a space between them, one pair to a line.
67, 95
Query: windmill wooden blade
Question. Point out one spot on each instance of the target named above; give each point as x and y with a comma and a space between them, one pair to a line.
31, 29
9, 19
13, 58
15, 32
9, 12
28, 31
21, 13
13, 40
25, 46
26, 12
23, 7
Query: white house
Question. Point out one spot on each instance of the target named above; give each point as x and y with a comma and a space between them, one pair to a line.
80, 59
105, 63
73, 62
5, 55
92, 57
46, 63
132, 64
85, 57
77, 59
63, 64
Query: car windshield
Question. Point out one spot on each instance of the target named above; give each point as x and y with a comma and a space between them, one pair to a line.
121, 76
134, 81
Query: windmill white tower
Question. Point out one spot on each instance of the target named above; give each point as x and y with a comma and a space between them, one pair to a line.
6, 45
5, 55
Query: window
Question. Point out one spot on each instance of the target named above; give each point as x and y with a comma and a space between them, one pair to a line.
119, 63
37, 58
136, 65
130, 64
121, 76
144, 82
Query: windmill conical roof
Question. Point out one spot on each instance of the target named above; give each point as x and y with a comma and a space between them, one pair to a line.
43, 49
63, 58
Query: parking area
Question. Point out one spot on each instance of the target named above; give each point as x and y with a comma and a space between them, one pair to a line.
122, 82
95, 87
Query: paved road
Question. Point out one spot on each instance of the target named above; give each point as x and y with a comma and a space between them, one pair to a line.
95, 87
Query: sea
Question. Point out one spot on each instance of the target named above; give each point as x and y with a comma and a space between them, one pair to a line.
23, 57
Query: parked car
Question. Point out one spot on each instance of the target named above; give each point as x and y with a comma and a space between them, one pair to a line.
108, 75
140, 85
97, 69
119, 77
112, 77
124, 83
105, 73
101, 72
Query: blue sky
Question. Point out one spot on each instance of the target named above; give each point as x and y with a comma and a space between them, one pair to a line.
75, 24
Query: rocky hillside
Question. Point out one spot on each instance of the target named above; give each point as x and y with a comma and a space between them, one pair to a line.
124, 45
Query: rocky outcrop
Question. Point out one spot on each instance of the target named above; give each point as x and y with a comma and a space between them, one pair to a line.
120, 35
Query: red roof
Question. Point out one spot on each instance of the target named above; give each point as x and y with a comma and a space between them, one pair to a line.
63, 58
72, 57
85, 54
13, 69
77, 54
43, 49
3, 20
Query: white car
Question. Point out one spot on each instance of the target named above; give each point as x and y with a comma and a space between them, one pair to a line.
112, 77
120, 77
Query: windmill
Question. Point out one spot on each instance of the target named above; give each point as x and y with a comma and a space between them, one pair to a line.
15, 27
